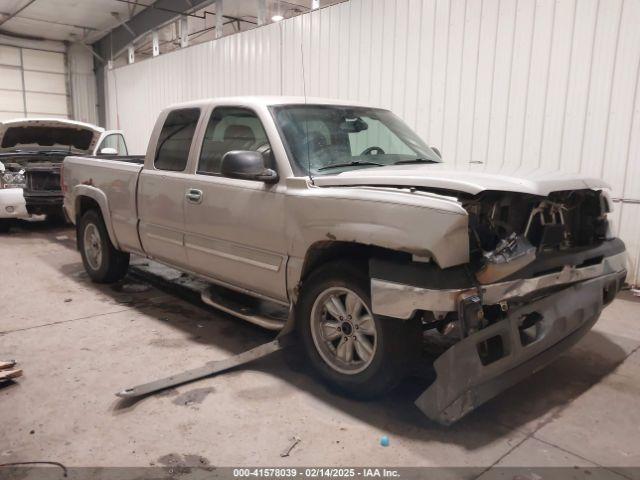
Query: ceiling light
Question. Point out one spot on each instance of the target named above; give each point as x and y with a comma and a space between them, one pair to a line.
277, 18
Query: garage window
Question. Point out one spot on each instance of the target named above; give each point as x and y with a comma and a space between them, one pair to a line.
175, 139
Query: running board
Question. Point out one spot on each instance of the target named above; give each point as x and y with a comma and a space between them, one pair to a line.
272, 319
208, 369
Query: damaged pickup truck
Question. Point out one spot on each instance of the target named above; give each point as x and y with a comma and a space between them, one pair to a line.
341, 218
31, 154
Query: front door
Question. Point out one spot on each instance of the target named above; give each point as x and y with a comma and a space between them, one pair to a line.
162, 189
235, 228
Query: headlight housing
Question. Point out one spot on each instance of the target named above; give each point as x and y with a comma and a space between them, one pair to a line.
12, 180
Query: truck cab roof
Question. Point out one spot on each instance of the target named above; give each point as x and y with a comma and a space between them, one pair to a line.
265, 101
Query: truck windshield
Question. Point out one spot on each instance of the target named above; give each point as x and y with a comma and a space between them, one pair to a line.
328, 139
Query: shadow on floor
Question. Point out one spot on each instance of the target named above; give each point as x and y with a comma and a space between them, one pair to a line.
538, 398
42, 228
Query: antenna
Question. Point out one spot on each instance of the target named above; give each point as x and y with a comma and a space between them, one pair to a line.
304, 91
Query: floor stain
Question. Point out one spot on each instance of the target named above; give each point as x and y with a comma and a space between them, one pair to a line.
177, 464
193, 397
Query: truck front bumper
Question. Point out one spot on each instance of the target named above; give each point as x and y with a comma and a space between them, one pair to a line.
551, 313
464, 382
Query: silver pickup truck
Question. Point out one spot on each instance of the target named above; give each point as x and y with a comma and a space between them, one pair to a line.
338, 220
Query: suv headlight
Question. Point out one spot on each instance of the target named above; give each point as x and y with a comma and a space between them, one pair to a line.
12, 180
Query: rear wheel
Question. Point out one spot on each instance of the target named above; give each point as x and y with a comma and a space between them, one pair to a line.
361, 354
101, 260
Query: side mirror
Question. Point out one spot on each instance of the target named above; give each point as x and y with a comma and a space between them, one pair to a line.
108, 151
247, 165
437, 150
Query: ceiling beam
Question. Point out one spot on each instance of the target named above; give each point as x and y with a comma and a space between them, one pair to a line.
11, 15
54, 22
151, 18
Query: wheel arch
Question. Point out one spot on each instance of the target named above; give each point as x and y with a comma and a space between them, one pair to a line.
322, 252
326, 251
90, 198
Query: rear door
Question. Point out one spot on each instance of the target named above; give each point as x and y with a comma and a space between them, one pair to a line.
235, 229
162, 187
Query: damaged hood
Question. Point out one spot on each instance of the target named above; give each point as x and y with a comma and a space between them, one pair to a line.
471, 181
48, 134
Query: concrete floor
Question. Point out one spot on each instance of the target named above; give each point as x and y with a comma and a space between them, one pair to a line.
78, 343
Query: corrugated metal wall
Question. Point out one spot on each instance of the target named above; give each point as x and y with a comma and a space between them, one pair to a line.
82, 80
511, 83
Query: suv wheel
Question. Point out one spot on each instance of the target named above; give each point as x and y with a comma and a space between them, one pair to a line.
101, 260
360, 353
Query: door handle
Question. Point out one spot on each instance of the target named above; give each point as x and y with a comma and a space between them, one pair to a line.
194, 195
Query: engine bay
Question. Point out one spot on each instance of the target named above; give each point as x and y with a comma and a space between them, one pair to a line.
508, 230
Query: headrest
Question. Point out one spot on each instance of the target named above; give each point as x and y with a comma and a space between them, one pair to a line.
239, 132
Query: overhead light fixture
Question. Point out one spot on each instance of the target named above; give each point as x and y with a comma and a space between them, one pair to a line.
277, 18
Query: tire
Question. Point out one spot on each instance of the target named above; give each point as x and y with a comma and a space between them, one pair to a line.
101, 260
396, 343
5, 225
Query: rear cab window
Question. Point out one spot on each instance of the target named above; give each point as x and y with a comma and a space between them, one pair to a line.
174, 142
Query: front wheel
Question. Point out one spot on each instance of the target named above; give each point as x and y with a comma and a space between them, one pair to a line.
361, 354
101, 260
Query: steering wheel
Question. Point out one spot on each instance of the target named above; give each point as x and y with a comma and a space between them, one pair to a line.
370, 150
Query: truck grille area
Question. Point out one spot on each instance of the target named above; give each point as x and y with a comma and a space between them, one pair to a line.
43, 180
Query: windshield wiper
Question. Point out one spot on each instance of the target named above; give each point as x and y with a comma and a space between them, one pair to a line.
354, 163
415, 160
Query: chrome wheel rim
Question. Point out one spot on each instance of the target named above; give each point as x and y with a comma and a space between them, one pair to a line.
93, 246
343, 330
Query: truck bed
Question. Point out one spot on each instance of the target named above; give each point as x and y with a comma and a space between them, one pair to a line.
114, 178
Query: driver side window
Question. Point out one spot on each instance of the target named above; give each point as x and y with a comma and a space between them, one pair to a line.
232, 128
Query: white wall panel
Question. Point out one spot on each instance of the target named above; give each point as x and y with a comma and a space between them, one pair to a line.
34, 85
45, 82
8, 116
9, 55
245, 64
45, 103
511, 84
11, 101
10, 78
42, 60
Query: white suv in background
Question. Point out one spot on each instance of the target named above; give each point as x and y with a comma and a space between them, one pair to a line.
31, 153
